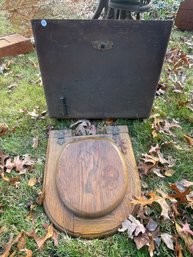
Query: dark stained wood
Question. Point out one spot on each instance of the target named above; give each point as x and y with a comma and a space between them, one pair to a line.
91, 177
184, 18
69, 192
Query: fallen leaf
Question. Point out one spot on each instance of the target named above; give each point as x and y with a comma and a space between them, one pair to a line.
83, 128
28, 253
35, 114
158, 172
40, 198
151, 247
167, 239
164, 126
32, 182
13, 254
3, 129
2, 174
186, 237
180, 195
55, 235
55, 238
35, 142
133, 227
169, 173
109, 122
186, 228
151, 225
154, 149
154, 198
3, 158
165, 208
178, 250
189, 140
8, 247
161, 89
21, 242
141, 240
41, 240
9, 165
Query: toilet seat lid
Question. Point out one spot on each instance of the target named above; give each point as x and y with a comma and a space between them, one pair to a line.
92, 177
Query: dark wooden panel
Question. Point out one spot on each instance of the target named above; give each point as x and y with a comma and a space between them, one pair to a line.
100, 68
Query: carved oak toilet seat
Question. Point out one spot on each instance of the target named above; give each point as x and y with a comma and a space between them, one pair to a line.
89, 182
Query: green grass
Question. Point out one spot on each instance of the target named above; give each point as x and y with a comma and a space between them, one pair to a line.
29, 95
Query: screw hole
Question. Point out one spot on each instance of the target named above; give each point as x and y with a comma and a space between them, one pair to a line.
102, 45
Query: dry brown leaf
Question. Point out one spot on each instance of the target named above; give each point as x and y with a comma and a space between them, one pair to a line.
186, 237
55, 238
141, 240
13, 254
3, 129
9, 165
169, 173
145, 201
132, 226
3, 158
14, 180
41, 240
180, 195
32, 182
19, 165
83, 128
21, 242
8, 247
186, 228
186, 183
4, 177
178, 250
55, 235
154, 149
168, 240
158, 172
151, 225
189, 140
40, 198
165, 208
151, 247
29, 253
163, 126
154, 198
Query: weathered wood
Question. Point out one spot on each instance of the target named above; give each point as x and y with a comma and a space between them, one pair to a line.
14, 44
89, 181
184, 18
91, 177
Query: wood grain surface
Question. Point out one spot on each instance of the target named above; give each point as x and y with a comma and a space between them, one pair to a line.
113, 184
91, 177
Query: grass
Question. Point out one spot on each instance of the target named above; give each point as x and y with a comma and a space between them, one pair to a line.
30, 95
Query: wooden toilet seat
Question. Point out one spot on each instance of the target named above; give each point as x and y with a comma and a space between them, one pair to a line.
91, 177
90, 181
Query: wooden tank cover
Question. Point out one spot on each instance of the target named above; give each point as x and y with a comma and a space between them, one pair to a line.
89, 181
